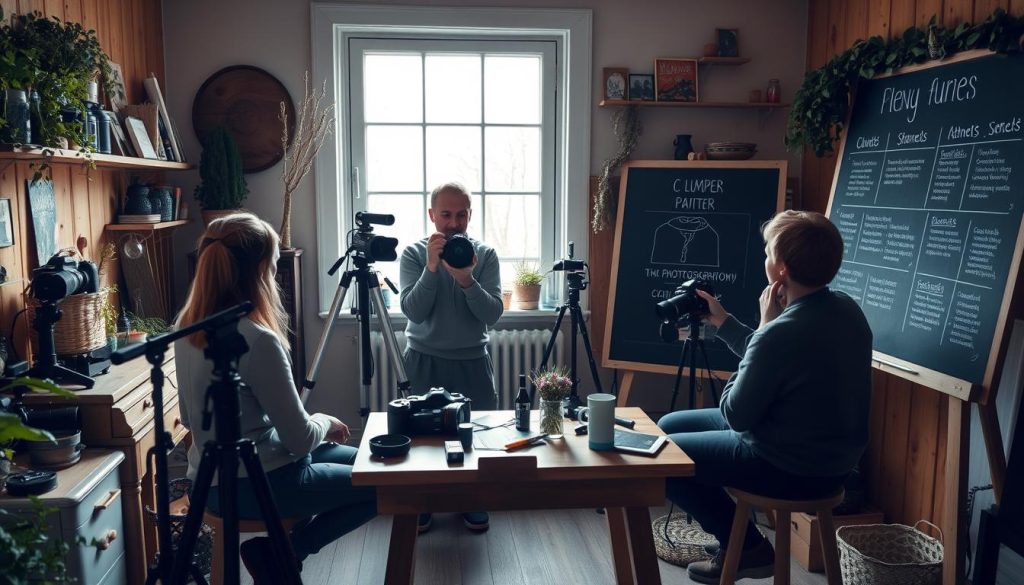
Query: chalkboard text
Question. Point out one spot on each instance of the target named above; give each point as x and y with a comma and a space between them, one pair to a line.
941, 91
698, 185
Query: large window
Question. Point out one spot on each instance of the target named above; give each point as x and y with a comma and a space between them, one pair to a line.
495, 98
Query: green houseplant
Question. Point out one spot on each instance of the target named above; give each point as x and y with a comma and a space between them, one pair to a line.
527, 280
223, 186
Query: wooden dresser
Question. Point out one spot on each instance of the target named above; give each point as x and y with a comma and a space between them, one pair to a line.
118, 413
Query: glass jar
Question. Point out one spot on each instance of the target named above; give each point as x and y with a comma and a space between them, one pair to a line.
15, 110
551, 418
774, 92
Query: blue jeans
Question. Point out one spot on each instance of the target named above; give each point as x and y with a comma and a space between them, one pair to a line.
721, 459
319, 487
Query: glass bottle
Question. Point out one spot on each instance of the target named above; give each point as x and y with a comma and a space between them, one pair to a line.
522, 406
774, 92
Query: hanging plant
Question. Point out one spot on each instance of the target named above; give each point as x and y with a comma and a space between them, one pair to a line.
627, 129
822, 103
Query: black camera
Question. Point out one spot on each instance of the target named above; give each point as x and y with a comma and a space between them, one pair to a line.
48, 419
62, 277
458, 251
370, 246
685, 303
438, 412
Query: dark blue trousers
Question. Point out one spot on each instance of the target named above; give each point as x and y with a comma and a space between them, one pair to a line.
721, 459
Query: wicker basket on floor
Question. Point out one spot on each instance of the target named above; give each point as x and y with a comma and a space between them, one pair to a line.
680, 542
889, 553
80, 328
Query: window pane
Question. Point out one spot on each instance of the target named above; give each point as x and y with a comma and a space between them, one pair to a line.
512, 89
508, 270
410, 217
394, 158
512, 159
393, 88
453, 88
453, 154
513, 224
476, 221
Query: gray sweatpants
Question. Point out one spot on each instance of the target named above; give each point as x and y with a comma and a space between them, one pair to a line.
473, 378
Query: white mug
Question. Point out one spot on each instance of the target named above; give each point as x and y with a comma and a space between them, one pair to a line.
600, 418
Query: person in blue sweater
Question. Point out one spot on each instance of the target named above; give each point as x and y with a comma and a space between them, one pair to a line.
449, 310
793, 420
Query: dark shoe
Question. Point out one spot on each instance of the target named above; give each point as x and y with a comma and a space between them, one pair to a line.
476, 521
424, 522
712, 549
755, 563
259, 559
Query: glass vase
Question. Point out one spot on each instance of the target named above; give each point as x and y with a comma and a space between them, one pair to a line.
551, 418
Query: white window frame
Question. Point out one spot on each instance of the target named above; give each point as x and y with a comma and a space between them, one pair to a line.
333, 24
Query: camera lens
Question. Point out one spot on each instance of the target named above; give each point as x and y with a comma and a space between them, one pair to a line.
458, 251
686, 302
54, 286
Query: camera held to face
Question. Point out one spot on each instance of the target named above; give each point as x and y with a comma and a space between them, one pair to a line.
685, 303
458, 251
62, 277
438, 412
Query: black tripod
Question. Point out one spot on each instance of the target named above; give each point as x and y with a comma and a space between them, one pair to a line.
46, 366
576, 283
691, 345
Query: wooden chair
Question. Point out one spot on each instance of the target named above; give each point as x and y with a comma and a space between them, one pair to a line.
244, 526
783, 509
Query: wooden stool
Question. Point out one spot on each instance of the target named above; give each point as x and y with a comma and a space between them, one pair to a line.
244, 526
783, 509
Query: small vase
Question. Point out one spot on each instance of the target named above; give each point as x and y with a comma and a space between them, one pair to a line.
137, 200
551, 418
683, 146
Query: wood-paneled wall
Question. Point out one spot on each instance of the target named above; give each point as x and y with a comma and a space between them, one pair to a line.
906, 459
131, 33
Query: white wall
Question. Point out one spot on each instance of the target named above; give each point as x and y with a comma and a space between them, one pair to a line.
203, 36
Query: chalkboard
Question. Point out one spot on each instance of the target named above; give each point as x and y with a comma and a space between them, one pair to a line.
682, 220
928, 196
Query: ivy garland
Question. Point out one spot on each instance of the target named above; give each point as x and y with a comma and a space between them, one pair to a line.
627, 128
822, 103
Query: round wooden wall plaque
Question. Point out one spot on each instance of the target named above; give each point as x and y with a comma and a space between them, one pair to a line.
245, 100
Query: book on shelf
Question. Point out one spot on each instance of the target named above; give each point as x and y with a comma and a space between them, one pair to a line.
166, 127
139, 218
136, 130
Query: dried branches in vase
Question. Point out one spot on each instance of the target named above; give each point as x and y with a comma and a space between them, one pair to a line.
315, 119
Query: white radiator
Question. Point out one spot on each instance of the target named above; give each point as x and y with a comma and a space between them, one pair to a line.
513, 352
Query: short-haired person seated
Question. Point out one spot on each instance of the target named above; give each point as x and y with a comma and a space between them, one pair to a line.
310, 475
793, 420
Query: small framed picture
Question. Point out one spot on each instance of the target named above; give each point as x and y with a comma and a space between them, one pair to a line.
641, 87
118, 96
6, 223
728, 42
615, 83
675, 80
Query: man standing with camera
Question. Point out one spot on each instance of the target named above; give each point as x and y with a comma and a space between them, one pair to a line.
450, 300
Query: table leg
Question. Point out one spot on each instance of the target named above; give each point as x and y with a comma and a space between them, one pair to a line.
621, 556
402, 551
641, 544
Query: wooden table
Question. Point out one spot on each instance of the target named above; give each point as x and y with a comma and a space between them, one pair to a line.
558, 474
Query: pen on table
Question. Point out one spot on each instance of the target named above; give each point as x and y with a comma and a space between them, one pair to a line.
625, 422
524, 442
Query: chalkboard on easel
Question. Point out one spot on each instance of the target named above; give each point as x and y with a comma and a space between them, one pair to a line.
928, 195
682, 220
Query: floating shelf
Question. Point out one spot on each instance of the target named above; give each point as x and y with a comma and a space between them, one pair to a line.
648, 104
144, 227
103, 161
723, 61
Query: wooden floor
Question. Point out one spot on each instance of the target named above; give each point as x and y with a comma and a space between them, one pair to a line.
563, 547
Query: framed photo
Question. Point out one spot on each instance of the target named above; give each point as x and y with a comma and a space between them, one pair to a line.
118, 97
641, 87
675, 80
136, 130
6, 223
728, 43
615, 83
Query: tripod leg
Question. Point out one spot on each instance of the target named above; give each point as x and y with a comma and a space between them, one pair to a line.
711, 377
390, 343
325, 335
679, 376
271, 517
588, 348
194, 519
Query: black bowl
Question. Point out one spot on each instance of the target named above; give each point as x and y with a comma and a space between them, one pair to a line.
390, 445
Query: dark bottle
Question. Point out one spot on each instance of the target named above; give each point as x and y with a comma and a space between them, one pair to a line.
522, 406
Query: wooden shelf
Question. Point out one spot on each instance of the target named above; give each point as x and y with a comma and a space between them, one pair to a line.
144, 227
103, 161
723, 61
735, 105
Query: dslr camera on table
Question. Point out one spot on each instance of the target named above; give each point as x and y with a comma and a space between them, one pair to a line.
438, 412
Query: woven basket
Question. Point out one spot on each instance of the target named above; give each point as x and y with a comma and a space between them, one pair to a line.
80, 328
871, 554
681, 542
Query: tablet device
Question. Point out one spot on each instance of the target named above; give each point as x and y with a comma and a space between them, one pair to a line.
641, 443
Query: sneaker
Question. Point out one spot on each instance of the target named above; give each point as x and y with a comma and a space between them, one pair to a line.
258, 557
755, 563
424, 522
476, 521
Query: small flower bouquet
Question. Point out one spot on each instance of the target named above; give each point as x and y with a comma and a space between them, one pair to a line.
554, 386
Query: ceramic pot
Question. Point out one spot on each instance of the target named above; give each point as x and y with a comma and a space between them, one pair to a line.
137, 200
527, 297
683, 146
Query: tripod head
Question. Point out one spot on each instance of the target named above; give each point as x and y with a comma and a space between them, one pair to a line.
575, 270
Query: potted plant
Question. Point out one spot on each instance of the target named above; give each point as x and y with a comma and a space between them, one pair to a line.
527, 282
223, 186
553, 385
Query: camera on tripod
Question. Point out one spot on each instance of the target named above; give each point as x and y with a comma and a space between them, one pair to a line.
62, 277
575, 270
438, 412
368, 245
684, 307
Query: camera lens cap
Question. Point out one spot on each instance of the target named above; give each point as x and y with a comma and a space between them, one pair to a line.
31, 483
390, 445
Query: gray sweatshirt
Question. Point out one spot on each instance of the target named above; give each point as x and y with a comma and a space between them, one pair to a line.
801, 395
271, 413
446, 320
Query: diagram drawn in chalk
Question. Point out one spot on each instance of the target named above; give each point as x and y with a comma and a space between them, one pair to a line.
686, 240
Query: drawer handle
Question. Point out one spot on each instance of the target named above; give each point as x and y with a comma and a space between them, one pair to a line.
147, 403
108, 539
795, 526
105, 503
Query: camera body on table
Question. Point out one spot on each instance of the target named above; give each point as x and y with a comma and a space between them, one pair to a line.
438, 412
